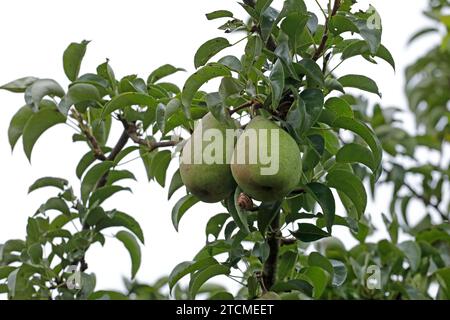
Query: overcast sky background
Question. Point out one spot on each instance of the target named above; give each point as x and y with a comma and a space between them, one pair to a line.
137, 37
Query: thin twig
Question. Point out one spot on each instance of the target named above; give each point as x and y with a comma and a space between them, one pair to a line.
131, 130
270, 267
248, 104
87, 132
321, 49
426, 201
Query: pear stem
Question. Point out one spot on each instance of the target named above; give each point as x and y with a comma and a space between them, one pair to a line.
271, 264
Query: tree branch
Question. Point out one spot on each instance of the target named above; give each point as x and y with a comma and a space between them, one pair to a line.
248, 104
121, 143
131, 131
271, 264
321, 48
92, 141
426, 201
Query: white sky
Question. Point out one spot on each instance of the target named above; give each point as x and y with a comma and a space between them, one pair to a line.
138, 36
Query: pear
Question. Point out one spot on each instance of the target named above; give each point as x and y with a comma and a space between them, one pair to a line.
208, 179
250, 157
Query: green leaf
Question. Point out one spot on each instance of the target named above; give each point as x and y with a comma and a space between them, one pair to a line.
103, 193
412, 252
323, 195
130, 243
303, 285
175, 184
118, 175
221, 296
35, 252
305, 112
443, 277
129, 99
253, 50
359, 47
231, 62
162, 72
313, 72
5, 271
147, 158
187, 267
282, 51
314, 102
331, 84
315, 259
261, 5
17, 124
367, 135
268, 18
230, 87
14, 245
216, 224
83, 92
335, 108
121, 219
60, 221
72, 59
161, 117
92, 177
48, 182
88, 282
56, 204
351, 186
297, 6
195, 81
107, 295
19, 285
41, 88
294, 25
359, 82
219, 14
199, 278
41, 121
106, 72
307, 232
276, 78
354, 152
79, 93
216, 105
209, 49
19, 85
421, 33
237, 213
159, 166
84, 163
59, 233
286, 264
319, 279
181, 207
367, 26
267, 211
314, 153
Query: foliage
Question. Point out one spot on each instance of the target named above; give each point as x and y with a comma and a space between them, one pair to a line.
287, 74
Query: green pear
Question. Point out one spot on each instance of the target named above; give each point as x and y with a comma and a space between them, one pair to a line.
210, 181
251, 157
